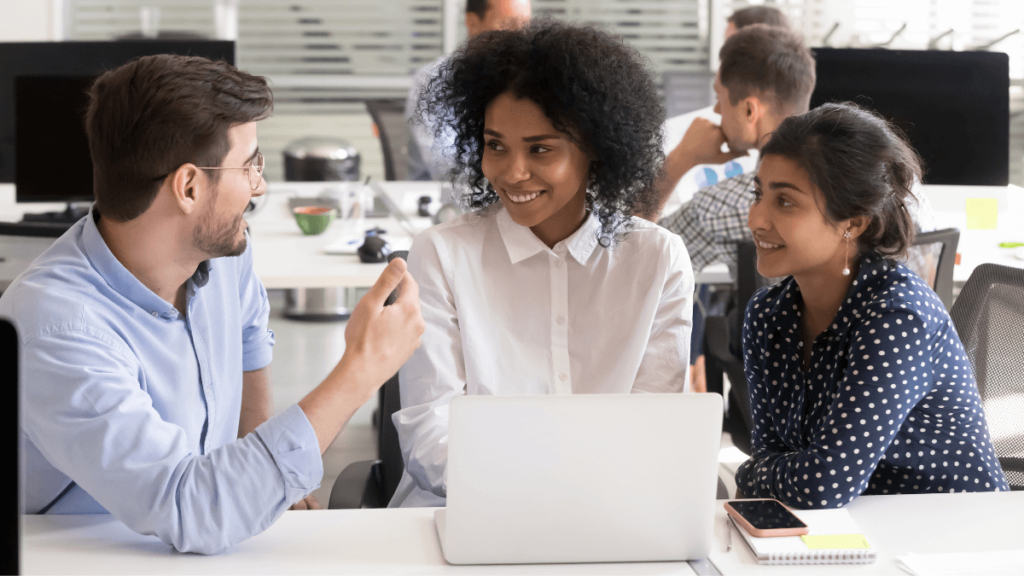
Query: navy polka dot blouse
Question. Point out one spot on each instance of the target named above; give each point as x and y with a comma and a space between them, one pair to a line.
889, 405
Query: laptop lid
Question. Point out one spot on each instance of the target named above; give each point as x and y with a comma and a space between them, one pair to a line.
581, 478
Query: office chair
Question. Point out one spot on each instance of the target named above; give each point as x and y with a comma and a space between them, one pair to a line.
9, 517
372, 483
932, 257
389, 116
722, 348
989, 317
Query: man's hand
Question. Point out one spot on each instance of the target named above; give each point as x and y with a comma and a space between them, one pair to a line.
378, 340
307, 503
702, 144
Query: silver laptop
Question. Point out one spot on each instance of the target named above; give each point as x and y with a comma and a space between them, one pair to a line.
580, 478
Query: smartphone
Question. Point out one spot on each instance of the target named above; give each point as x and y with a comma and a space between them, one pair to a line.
765, 518
403, 254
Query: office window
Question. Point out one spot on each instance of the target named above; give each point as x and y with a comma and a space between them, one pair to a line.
321, 56
934, 24
673, 34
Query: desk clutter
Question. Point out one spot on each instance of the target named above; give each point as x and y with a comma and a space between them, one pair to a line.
834, 538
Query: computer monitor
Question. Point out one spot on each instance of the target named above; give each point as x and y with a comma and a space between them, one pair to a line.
53, 162
953, 106
43, 65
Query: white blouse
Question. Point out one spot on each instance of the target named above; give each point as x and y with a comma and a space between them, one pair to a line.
507, 315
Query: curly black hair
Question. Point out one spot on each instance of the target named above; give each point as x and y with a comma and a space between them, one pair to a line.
594, 89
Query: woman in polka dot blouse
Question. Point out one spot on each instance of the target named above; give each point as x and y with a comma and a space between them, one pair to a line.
879, 397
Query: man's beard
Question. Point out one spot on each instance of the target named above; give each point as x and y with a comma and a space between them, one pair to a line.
218, 242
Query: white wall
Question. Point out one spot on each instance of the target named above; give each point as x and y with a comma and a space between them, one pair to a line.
30, 20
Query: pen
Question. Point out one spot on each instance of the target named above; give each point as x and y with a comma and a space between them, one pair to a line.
728, 534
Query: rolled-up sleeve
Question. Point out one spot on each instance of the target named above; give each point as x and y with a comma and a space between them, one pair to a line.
257, 337
87, 411
433, 375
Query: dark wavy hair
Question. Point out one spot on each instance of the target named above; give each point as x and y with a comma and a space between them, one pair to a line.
594, 89
862, 165
155, 113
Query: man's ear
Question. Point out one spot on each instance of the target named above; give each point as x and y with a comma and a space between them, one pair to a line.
754, 109
188, 186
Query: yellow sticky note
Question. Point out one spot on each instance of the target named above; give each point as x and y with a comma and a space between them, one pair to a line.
836, 541
982, 213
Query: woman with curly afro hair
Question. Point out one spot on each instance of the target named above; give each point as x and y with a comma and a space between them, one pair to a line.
548, 285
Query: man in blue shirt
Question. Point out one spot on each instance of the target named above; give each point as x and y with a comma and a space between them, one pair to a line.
145, 346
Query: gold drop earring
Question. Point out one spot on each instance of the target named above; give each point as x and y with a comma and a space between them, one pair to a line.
846, 270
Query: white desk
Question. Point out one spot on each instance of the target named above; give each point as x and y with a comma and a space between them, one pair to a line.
898, 525
404, 541
401, 541
285, 258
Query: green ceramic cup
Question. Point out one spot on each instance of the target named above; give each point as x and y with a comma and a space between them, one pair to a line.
313, 220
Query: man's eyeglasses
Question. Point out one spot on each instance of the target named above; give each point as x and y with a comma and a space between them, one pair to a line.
254, 171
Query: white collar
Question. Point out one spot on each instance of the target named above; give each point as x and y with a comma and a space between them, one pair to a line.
521, 243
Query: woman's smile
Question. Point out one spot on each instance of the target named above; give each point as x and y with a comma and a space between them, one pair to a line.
521, 197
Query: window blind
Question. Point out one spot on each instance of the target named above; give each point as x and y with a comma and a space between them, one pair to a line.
673, 34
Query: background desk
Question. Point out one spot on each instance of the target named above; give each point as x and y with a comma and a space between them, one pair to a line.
404, 541
284, 258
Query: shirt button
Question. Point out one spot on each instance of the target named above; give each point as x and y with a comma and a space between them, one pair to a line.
560, 320
558, 263
156, 314
563, 376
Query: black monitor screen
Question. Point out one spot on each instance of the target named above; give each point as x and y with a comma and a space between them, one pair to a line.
53, 162
78, 59
953, 106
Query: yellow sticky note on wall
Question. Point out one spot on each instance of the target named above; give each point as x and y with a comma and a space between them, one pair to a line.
836, 542
982, 213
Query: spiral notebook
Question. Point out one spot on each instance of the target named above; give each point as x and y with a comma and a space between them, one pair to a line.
847, 544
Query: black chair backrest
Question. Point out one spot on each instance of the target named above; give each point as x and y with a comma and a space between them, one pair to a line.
9, 518
989, 318
748, 281
389, 116
932, 257
390, 452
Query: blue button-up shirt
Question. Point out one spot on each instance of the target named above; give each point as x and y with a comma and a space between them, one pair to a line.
136, 407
